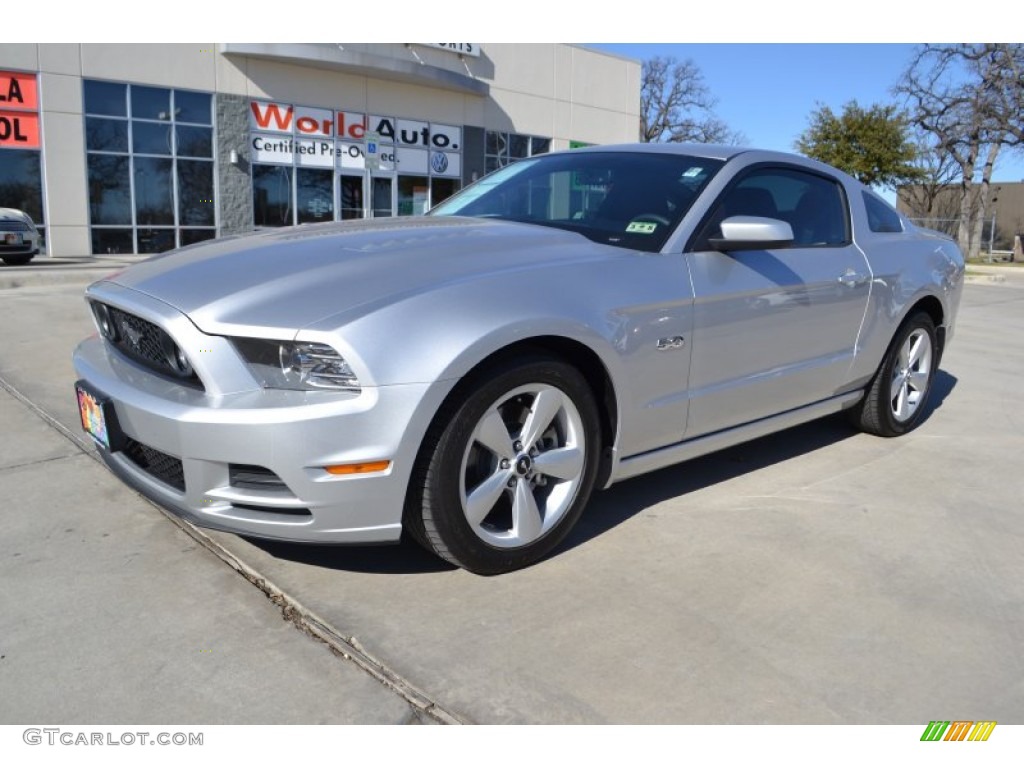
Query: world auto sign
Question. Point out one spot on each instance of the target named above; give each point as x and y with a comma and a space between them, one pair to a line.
323, 138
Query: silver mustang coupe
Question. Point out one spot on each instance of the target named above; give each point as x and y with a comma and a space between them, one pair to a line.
471, 376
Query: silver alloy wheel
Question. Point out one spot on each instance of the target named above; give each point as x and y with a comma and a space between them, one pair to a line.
523, 466
911, 375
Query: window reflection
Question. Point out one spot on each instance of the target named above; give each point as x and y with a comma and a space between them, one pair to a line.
151, 103
110, 192
105, 98
272, 195
351, 197
381, 197
195, 193
191, 107
155, 183
21, 182
315, 195
194, 141
151, 138
106, 135
155, 240
107, 240
154, 195
412, 195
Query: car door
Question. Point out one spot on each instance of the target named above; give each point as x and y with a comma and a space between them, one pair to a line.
774, 329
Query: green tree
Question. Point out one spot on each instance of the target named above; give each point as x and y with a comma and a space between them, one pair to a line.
871, 144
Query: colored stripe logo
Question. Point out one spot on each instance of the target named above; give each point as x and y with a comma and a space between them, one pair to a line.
958, 730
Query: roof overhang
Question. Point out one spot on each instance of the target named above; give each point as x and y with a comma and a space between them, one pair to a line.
333, 56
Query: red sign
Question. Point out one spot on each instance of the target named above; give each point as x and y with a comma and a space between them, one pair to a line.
18, 91
19, 130
19, 105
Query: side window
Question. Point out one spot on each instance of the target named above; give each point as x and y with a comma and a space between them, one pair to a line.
881, 218
813, 205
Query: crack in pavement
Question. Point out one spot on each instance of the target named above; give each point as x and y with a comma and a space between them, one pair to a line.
38, 461
425, 708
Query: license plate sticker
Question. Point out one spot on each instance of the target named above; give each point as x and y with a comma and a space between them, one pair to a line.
96, 414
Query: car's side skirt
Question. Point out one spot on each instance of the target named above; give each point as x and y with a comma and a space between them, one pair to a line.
691, 449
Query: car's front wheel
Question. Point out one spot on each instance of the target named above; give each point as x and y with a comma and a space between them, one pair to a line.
895, 401
508, 468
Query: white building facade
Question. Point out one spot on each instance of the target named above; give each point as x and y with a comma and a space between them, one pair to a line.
116, 148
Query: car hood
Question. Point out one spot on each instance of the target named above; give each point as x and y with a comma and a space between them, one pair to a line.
14, 214
287, 279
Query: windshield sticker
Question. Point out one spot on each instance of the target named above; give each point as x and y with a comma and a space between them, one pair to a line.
643, 227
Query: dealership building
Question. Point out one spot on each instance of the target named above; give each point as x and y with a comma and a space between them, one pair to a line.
116, 148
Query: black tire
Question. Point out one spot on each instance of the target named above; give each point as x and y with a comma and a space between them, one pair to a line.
18, 261
897, 397
458, 477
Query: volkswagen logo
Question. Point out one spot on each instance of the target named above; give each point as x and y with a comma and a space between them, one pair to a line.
439, 162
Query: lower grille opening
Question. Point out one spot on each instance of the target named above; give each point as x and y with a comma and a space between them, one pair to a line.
165, 468
291, 512
254, 477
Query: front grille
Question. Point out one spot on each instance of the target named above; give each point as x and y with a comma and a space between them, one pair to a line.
9, 225
166, 469
146, 343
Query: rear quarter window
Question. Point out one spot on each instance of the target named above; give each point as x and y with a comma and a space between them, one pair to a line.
881, 217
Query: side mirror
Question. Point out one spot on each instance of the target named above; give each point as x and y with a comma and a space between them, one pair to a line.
752, 233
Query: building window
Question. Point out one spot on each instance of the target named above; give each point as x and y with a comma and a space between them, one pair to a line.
501, 148
272, 195
21, 178
150, 166
21, 185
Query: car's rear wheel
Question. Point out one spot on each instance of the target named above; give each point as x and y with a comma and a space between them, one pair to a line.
508, 467
895, 401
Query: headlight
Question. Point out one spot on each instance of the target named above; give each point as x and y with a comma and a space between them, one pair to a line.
297, 365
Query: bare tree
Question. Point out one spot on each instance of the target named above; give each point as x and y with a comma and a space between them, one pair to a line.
970, 98
676, 105
930, 196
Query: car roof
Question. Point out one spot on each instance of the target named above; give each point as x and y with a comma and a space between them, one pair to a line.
724, 152
711, 151
714, 151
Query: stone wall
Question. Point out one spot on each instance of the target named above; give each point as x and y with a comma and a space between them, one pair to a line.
234, 192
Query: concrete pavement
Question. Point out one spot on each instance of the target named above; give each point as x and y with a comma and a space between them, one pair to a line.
43, 270
109, 613
816, 576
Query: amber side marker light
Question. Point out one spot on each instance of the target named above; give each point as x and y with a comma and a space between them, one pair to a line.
358, 469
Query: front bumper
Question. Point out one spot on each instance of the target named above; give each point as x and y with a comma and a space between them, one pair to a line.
290, 434
28, 245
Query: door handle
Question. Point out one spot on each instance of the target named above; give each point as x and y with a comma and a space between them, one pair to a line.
852, 279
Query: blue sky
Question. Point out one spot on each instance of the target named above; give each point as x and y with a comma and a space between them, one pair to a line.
768, 90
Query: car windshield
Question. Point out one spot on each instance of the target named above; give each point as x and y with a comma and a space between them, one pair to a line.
628, 199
